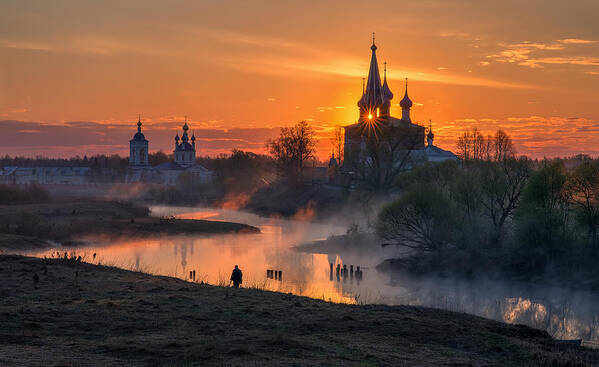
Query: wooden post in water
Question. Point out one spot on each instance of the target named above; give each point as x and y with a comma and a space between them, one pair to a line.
194, 275
280, 275
190, 274
344, 272
337, 271
351, 271
330, 271
276, 275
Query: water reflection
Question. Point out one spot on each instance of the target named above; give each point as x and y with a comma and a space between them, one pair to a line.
336, 277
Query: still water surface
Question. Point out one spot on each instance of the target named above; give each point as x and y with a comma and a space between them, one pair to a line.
565, 314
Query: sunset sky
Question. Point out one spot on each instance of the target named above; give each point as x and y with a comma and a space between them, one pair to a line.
74, 74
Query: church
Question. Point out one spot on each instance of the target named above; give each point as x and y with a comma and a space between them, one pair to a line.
184, 161
377, 133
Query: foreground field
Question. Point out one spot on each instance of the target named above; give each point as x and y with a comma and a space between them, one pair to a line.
88, 315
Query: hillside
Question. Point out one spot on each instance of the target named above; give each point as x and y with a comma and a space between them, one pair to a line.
89, 315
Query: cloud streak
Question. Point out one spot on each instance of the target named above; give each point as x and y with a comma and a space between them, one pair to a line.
284, 58
535, 136
533, 55
82, 44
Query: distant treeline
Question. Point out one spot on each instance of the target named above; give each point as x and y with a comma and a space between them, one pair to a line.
237, 175
113, 161
498, 214
26, 194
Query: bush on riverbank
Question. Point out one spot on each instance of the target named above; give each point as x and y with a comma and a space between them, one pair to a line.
513, 217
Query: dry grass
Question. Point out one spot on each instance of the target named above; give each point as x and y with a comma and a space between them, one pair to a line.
89, 315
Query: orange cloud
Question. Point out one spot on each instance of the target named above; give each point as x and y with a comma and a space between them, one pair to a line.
576, 41
524, 54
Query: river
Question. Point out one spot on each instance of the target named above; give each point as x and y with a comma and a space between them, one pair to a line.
565, 314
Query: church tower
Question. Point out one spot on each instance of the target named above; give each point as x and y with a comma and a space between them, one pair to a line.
138, 149
185, 153
375, 102
430, 136
406, 104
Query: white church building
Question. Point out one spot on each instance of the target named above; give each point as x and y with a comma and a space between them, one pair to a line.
166, 173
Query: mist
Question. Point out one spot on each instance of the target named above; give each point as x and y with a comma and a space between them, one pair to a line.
565, 314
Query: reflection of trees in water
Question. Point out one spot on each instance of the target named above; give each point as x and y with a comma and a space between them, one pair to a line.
182, 246
565, 314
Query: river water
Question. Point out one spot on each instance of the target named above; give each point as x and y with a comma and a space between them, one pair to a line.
565, 314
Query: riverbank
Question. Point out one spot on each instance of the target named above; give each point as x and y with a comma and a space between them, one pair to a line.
31, 226
89, 315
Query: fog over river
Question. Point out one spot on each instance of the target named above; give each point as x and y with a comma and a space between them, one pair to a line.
565, 314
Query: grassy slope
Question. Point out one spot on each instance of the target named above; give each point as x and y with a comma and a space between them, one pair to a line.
88, 315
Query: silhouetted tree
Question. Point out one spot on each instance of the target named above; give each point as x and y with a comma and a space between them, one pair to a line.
159, 157
503, 147
473, 145
422, 219
542, 217
583, 187
384, 153
501, 185
337, 142
292, 149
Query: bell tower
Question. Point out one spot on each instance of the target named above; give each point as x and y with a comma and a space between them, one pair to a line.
138, 148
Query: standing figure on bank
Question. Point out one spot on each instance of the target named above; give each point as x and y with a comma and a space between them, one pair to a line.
237, 277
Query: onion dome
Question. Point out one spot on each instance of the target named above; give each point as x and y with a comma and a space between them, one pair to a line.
406, 102
139, 136
387, 94
193, 137
184, 137
177, 137
430, 135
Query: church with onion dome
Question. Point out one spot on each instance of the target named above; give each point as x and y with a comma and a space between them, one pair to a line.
184, 161
376, 130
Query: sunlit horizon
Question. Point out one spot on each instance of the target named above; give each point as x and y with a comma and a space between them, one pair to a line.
76, 75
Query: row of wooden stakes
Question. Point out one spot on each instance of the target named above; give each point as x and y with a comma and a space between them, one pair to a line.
274, 274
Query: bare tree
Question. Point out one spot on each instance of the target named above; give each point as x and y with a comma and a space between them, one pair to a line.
501, 186
503, 147
420, 220
384, 153
292, 149
473, 145
583, 189
337, 142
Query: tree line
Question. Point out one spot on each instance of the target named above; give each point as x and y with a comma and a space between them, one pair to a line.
494, 212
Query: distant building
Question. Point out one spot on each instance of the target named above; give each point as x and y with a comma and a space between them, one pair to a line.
375, 123
166, 173
433, 153
45, 175
139, 168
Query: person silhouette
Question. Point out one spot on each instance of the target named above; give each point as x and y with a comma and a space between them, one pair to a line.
236, 277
